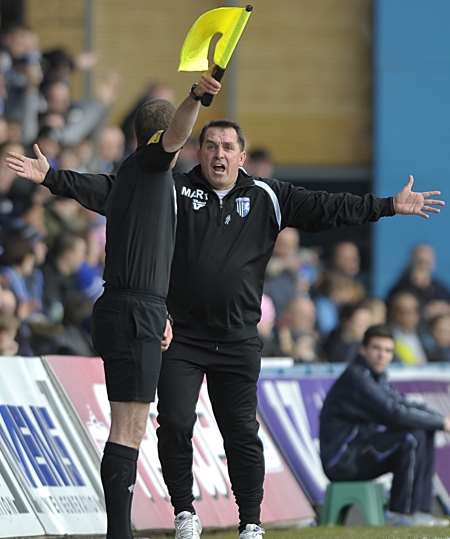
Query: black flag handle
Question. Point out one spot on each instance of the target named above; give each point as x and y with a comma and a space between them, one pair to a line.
217, 73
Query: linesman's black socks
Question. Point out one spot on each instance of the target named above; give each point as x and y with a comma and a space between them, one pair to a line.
118, 473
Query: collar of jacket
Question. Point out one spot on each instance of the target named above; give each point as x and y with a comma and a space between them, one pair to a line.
360, 360
196, 176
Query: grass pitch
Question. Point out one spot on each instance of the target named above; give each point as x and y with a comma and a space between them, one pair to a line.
336, 533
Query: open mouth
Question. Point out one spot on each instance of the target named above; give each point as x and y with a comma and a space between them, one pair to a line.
219, 168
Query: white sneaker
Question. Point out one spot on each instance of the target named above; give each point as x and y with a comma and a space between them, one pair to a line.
252, 531
399, 519
425, 519
187, 526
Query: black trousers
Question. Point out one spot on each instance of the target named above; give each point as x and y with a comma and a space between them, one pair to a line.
409, 456
232, 372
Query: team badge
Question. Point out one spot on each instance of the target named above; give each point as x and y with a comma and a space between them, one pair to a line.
243, 206
197, 204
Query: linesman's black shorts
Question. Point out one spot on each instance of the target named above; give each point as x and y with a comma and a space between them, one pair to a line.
127, 328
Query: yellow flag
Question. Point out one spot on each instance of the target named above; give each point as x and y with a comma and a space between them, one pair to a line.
227, 21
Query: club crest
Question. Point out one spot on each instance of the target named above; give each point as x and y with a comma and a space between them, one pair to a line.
243, 206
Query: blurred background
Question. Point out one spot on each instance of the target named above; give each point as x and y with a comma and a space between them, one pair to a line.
342, 95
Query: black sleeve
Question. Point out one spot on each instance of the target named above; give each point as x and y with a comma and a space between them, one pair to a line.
390, 408
152, 157
90, 190
313, 211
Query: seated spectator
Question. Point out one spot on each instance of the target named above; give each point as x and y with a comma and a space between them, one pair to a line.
404, 318
17, 263
9, 326
282, 275
259, 163
346, 260
332, 292
378, 310
63, 261
109, 152
438, 348
418, 277
343, 343
297, 334
368, 429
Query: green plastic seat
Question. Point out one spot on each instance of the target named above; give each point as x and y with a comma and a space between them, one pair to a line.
368, 496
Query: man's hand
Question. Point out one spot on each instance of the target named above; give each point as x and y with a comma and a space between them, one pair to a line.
207, 85
407, 202
167, 337
26, 167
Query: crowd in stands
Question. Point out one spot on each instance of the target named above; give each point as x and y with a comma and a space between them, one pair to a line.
314, 308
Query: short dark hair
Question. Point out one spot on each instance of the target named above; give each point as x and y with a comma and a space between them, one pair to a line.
379, 330
223, 124
152, 116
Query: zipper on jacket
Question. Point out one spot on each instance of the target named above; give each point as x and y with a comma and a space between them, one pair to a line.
219, 217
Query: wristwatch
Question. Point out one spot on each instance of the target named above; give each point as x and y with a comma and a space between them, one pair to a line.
192, 93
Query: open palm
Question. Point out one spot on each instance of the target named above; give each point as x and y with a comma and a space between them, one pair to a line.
26, 167
408, 202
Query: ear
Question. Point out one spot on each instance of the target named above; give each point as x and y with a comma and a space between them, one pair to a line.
242, 159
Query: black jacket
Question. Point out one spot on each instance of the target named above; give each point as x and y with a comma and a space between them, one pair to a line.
222, 249
359, 402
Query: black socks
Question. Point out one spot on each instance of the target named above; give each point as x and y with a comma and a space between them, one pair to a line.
118, 473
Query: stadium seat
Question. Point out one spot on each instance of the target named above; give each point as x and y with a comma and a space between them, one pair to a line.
341, 495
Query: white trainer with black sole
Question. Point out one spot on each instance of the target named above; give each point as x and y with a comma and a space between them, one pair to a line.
252, 531
187, 526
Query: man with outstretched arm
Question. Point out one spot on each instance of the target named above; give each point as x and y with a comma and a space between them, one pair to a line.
228, 222
130, 318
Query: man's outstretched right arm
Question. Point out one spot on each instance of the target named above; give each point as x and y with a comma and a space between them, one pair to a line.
90, 190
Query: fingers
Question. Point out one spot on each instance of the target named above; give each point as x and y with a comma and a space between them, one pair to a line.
15, 164
37, 152
430, 209
428, 194
423, 214
410, 182
209, 84
15, 155
432, 202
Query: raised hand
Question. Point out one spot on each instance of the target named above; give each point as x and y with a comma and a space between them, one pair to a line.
408, 202
26, 167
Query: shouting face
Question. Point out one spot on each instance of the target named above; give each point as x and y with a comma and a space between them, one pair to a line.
221, 156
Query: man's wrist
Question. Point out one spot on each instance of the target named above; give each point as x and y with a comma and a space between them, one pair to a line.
193, 94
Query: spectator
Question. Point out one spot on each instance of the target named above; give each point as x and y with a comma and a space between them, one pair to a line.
110, 151
282, 274
17, 264
332, 292
377, 309
418, 277
342, 345
64, 260
297, 334
439, 347
259, 163
368, 429
347, 261
403, 316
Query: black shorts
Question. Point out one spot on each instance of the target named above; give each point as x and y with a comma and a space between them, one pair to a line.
127, 328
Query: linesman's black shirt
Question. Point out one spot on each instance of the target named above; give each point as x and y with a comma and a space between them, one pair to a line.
141, 219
